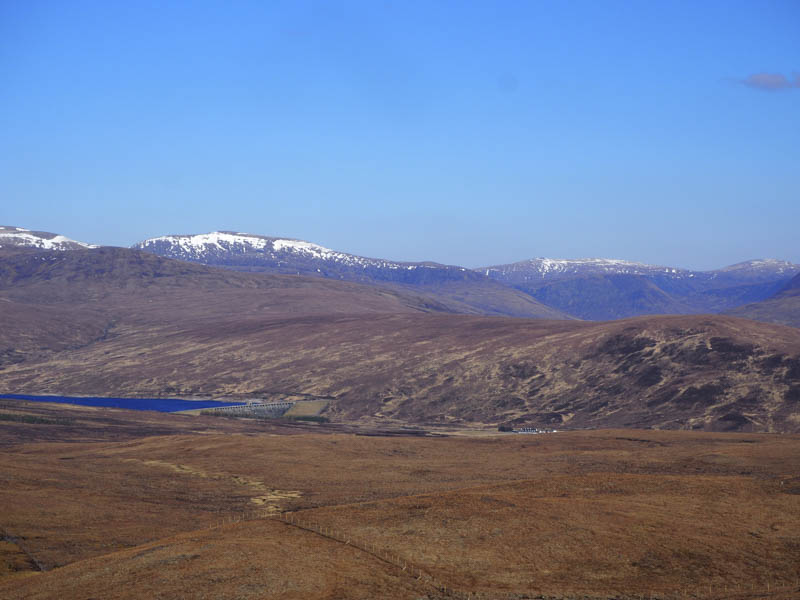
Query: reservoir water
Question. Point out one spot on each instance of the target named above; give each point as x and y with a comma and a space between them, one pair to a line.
157, 404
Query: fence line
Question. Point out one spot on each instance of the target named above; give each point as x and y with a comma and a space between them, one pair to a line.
5, 536
387, 556
699, 592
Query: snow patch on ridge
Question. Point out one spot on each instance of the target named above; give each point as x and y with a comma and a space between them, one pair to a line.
18, 236
546, 265
300, 246
538, 269
200, 246
549, 267
219, 239
763, 264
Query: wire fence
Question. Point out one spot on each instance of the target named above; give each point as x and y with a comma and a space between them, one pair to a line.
422, 573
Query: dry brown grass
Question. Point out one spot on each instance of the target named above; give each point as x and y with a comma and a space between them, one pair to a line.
591, 513
712, 373
260, 559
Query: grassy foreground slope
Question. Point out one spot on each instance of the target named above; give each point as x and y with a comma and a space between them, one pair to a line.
599, 514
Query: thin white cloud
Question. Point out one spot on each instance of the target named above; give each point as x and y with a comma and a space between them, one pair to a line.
772, 82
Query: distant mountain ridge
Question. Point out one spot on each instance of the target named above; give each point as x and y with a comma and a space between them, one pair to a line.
782, 308
603, 289
247, 250
588, 288
555, 268
552, 268
462, 290
21, 238
763, 265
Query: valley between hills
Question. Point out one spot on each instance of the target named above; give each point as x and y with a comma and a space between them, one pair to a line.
674, 472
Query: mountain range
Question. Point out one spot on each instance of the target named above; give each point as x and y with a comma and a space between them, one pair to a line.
461, 290
121, 321
589, 289
602, 289
593, 289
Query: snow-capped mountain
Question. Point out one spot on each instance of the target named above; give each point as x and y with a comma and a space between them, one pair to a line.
18, 237
228, 248
544, 270
763, 267
602, 288
250, 252
588, 288
461, 289
537, 269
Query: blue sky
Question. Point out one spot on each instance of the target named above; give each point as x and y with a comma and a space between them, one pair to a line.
470, 133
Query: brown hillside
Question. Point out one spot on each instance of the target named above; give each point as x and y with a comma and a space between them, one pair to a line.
704, 372
113, 321
603, 514
123, 281
63, 301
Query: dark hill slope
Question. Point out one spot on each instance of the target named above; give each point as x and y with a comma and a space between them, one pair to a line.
605, 297
703, 372
62, 301
782, 308
793, 285
118, 276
